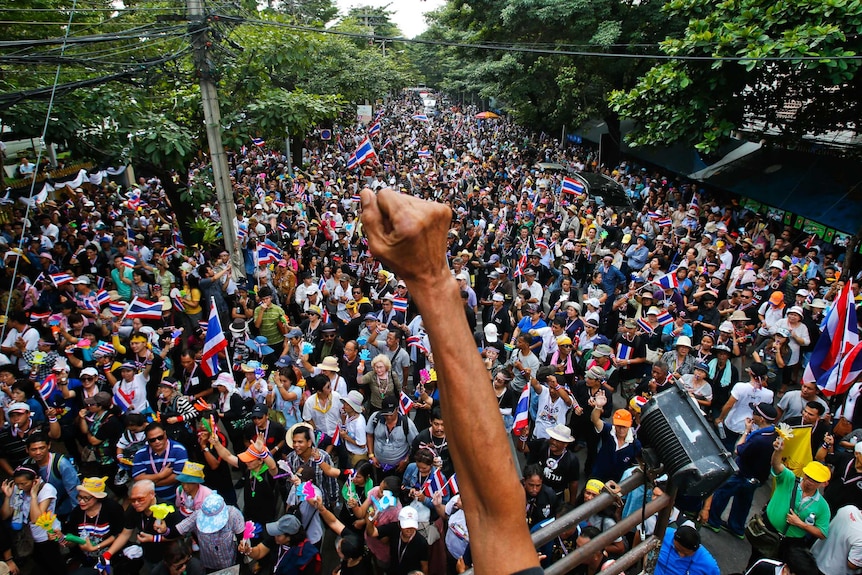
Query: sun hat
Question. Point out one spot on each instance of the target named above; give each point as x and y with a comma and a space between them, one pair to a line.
817, 472
683, 340
738, 315
354, 399
408, 518
191, 473
214, 514
329, 363
797, 310
94, 486
561, 432
286, 525
250, 366
622, 417
224, 379
602, 350
726, 327
596, 372
258, 345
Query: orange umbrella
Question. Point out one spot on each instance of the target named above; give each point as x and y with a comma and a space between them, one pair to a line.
486, 115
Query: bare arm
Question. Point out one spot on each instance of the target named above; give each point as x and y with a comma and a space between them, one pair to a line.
413, 245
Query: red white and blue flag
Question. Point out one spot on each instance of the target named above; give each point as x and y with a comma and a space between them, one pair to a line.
48, 387
335, 440
435, 482
145, 309
664, 318
624, 351
420, 117
662, 222
838, 337
840, 377
522, 412
573, 187
399, 304
405, 404
424, 153
267, 254
363, 153
134, 199
106, 349
667, 281
654, 216
374, 129
178, 241
695, 203
102, 298
169, 252
121, 401
117, 308
644, 325
61, 279
416, 341
387, 143
258, 142
130, 261
452, 485
214, 343
39, 316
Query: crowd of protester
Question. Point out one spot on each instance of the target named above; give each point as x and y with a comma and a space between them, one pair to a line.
124, 448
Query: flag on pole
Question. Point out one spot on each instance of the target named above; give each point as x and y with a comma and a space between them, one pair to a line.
838, 336
387, 143
121, 400
424, 153
452, 485
695, 203
522, 263
145, 309
267, 254
61, 279
664, 318
117, 308
48, 387
336, 436
435, 482
663, 222
399, 304
258, 142
420, 117
102, 298
654, 216
130, 261
363, 153
416, 341
39, 316
214, 343
667, 281
645, 326
522, 412
374, 129
840, 377
573, 187
405, 404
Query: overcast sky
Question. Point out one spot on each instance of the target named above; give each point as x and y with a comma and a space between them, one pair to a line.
407, 14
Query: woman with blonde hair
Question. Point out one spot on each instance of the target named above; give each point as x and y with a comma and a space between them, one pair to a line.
379, 382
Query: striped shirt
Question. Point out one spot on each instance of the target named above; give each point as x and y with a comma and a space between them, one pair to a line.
218, 550
148, 463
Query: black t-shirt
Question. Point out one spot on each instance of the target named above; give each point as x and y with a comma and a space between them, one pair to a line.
107, 522
274, 433
542, 507
845, 487
141, 523
558, 471
638, 345
403, 557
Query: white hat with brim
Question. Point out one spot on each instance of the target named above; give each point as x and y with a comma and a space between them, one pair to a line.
354, 399
561, 433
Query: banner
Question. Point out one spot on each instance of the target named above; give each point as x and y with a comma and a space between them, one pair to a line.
797, 449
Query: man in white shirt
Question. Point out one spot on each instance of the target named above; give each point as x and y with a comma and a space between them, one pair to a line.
739, 407
535, 289
20, 338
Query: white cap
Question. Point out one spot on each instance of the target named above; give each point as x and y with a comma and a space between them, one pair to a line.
498, 297
408, 518
90, 371
491, 333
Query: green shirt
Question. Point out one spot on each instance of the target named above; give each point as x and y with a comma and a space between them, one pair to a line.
269, 323
776, 511
123, 289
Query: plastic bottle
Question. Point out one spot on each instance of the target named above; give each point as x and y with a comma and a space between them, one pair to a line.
810, 519
721, 433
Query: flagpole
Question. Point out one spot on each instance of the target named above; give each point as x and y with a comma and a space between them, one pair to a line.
227, 348
128, 309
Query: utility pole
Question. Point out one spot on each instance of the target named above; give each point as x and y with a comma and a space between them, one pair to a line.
212, 119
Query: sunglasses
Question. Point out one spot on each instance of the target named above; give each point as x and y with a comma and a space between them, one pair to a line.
139, 499
155, 439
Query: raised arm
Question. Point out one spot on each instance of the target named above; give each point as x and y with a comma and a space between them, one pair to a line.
409, 235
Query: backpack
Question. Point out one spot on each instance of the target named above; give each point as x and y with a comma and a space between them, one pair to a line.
404, 425
55, 472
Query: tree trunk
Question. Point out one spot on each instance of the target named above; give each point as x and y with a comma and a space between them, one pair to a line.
183, 211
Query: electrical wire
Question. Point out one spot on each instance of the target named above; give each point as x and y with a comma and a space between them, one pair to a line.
30, 201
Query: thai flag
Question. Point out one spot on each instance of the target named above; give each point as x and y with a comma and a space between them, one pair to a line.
644, 325
241, 233
624, 351
399, 304
102, 298
130, 261
170, 252
178, 241
266, 254
420, 118
39, 316
810, 242
324, 314
522, 263
356, 198
258, 142
573, 187
664, 222
278, 204
100, 283
654, 216
321, 284
106, 349
121, 401
363, 153
424, 153
380, 113
452, 485
214, 343
117, 308
282, 227
667, 281
664, 318
837, 338
48, 387
416, 341
374, 129
840, 377
336, 436
542, 243
522, 412
435, 482
695, 203
145, 309
387, 143
60, 279
134, 199
405, 404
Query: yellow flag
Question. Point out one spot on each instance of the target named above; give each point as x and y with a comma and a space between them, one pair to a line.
797, 449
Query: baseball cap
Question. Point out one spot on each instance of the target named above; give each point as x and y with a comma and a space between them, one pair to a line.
408, 518
623, 418
688, 537
491, 334
388, 405
286, 525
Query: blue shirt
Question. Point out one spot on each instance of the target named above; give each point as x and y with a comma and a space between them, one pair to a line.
611, 462
671, 563
146, 462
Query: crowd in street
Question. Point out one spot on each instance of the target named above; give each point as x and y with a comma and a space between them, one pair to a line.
164, 414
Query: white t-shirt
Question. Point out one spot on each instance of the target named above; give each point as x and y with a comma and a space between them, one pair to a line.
843, 544
323, 420
549, 414
31, 342
744, 393
135, 391
47, 492
356, 428
792, 404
